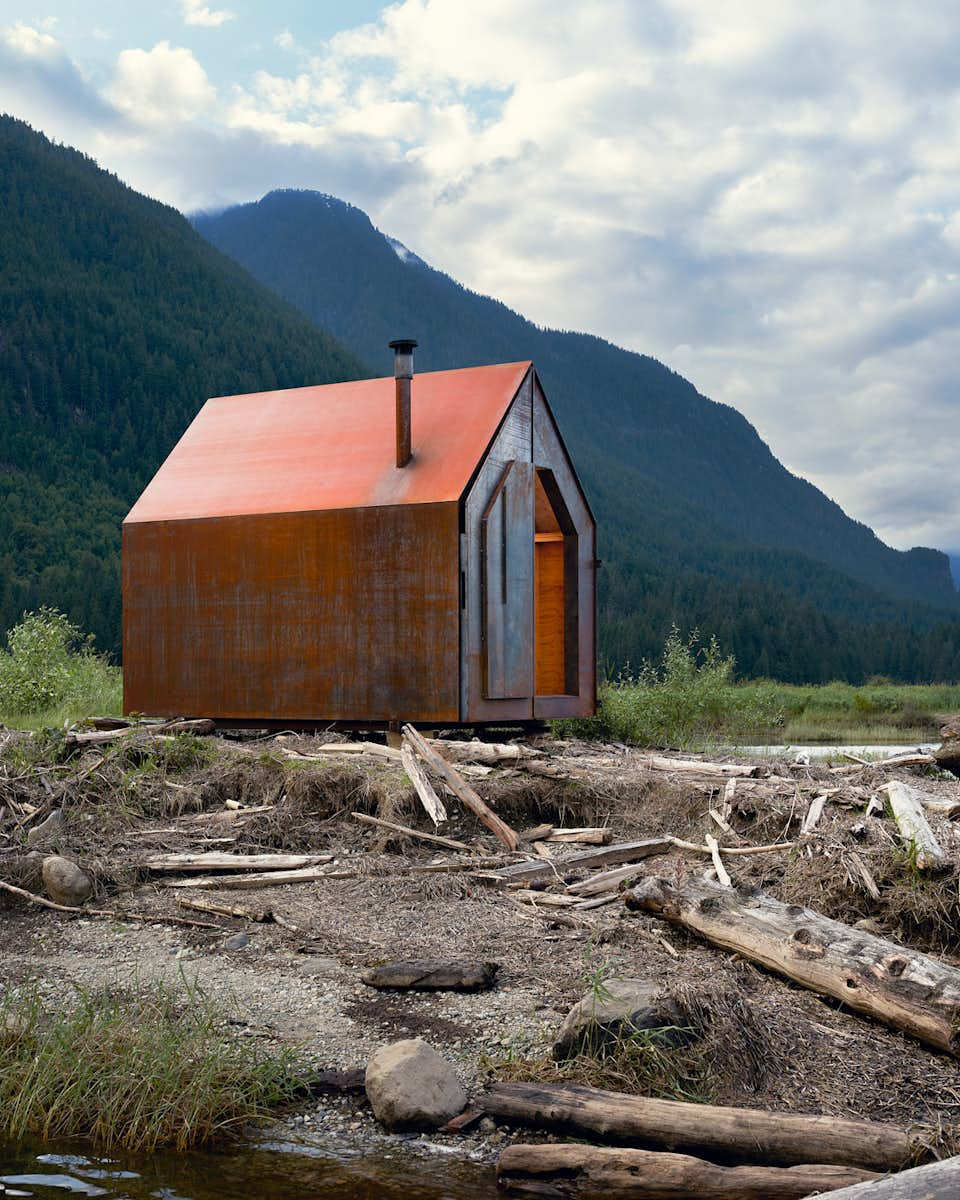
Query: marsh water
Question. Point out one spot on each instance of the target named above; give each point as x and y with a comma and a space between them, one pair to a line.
267, 1173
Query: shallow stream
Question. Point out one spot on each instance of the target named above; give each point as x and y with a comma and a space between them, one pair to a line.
268, 1173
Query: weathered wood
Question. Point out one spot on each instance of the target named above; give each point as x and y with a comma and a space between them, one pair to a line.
685, 766
589, 836
737, 1134
218, 861
913, 825
902, 988
935, 1181
100, 737
259, 915
942, 806
462, 790
714, 847
813, 815
601, 1172
907, 760
606, 881
258, 880
486, 753
432, 804
607, 856
434, 838
431, 974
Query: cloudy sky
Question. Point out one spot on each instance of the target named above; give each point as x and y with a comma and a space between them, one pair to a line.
764, 195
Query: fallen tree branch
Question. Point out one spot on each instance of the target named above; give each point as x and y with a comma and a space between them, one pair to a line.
115, 914
434, 838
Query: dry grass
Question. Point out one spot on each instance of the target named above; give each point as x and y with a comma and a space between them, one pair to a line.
716, 1036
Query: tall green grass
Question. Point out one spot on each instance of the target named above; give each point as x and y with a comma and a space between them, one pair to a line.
690, 700
132, 1070
50, 674
687, 700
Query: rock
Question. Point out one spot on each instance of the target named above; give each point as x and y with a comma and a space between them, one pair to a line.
410, 1086
48, 832
236, 942
619, 1008
431, 974
64, 881
948, 755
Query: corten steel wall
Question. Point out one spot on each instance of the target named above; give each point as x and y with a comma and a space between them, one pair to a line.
350, 615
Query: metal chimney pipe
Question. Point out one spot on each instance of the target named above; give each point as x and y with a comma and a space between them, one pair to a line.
403, 374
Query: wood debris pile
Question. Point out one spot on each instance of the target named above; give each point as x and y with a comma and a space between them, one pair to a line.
718, 867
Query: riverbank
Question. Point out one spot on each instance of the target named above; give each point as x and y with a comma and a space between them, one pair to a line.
295, 981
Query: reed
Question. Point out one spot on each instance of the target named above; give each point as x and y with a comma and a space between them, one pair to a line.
132, 1069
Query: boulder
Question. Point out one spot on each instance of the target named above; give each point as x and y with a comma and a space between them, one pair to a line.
948, 755
64, 881
410, 1086
616, 1009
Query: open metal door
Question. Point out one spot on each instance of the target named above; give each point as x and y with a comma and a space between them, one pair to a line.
506, 539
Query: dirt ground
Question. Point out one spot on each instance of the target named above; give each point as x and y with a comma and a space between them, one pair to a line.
771, 1044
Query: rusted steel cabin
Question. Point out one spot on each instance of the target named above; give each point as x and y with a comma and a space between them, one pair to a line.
367, 553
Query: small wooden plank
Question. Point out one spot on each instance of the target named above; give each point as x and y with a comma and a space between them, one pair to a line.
589, 836
606, 881
431, 802
714, 847
265, 879
215, 860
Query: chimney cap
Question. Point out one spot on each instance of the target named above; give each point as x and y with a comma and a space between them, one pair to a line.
402, 345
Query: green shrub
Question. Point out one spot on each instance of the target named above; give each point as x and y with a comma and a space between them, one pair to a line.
48, 668
688, 698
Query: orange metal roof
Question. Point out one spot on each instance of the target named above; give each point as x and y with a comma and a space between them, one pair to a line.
331, 447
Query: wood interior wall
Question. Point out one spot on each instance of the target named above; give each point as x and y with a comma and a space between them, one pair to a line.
549, 609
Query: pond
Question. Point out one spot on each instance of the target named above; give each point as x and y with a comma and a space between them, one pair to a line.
56, 1172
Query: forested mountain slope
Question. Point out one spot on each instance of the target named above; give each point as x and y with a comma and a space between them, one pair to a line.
117, 320
699, 522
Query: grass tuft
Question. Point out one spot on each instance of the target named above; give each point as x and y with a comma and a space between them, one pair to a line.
137, 1070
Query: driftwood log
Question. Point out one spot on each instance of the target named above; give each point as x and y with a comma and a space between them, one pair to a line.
902, 988
735, 1134
430, 974
462, 790
935, 1181
601, 1171
913, 825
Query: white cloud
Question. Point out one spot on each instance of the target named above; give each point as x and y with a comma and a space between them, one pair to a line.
765, 196
162, 85
195, 12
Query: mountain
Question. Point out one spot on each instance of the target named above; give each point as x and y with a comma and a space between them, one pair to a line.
955, 568
117, 320
699, 522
